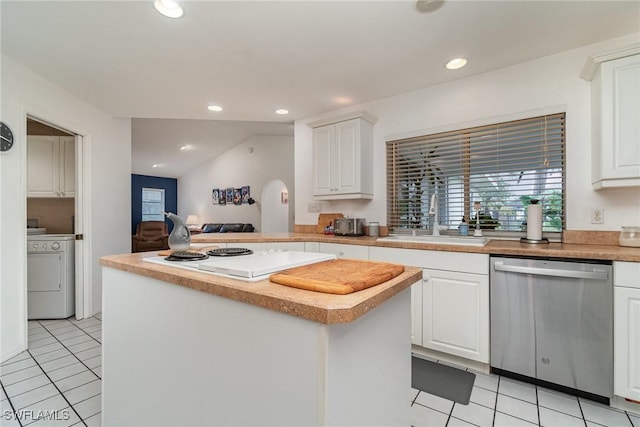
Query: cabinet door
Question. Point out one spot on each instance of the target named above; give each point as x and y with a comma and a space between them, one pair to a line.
311, 247
67, 166
416, 313
43, 166
619, 149
286, 246
347, 157
345, 251
323, 146
626, 342
455, 313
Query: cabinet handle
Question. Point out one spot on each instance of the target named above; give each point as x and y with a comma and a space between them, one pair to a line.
340, 253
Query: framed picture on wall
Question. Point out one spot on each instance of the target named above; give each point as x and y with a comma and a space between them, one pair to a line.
222, 197
215, 196
237, 196
230, 195
246, 193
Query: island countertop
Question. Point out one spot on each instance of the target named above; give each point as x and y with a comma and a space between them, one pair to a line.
315, 306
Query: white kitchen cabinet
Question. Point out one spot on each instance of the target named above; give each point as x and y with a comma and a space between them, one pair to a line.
615, 108
455, 313
265, 246
450, 308
416, 313
50, 166
626, 333
311, 246
343, 157
345, 251
67, 166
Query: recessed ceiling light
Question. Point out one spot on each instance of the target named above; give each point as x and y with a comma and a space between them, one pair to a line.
456, 63
282, 111
214, 108
184, 147
169, 8
156, 165
342, 100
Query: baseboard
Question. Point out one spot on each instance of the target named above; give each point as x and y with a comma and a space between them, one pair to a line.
620, 403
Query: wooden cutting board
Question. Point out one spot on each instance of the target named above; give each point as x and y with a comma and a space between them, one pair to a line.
324, 219
338, 276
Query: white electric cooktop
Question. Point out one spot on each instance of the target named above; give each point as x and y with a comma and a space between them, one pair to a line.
255, 267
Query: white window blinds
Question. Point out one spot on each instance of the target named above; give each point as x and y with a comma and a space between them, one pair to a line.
502, 166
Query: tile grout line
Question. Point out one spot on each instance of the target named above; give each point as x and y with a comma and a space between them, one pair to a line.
74, 355
56, 387
538, 407
13, 409
493, 422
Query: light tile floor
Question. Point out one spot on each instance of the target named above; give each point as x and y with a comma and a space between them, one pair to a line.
57, 381
60, 377
503, 402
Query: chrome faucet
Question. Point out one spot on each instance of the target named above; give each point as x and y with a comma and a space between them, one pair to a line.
433, 210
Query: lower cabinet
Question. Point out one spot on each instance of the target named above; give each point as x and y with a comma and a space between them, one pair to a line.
450, 307
416, 313
345, 251
264, 246
455, 313
626, 333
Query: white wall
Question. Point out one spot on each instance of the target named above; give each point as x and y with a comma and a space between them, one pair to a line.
545, 85
108, 170
272, 158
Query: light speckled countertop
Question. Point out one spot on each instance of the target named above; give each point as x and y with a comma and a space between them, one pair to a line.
495, 247
328, 308
315, 306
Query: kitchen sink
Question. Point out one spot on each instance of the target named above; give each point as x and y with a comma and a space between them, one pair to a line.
444, 240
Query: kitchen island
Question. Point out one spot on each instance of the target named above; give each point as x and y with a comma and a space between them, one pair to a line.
191, 348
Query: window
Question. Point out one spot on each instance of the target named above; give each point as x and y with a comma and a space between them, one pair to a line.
502, 166
152, 204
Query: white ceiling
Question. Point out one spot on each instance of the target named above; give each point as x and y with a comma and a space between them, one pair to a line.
252, 57
158, 141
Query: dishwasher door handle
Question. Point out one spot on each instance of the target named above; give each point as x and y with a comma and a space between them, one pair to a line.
537, 271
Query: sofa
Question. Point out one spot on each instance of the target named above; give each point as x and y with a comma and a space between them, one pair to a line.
227, 228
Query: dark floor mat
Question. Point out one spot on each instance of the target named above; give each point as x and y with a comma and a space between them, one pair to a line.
442, 380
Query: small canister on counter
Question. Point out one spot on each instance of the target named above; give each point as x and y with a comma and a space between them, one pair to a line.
374, 229
630, 236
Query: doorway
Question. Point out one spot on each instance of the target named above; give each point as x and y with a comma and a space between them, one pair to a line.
275, 207
54, 206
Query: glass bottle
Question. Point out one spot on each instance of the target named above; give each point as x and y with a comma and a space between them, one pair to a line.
463, 228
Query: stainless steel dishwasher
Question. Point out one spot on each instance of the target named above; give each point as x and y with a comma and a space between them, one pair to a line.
552, 324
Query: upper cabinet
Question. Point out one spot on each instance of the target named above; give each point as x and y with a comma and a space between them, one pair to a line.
615, 109
50, 166
343, 157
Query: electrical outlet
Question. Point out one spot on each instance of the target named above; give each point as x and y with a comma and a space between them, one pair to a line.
314, 207
597, 216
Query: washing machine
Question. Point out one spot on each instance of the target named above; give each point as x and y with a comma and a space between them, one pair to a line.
50, 276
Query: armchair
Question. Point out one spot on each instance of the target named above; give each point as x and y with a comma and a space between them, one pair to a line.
150, 236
